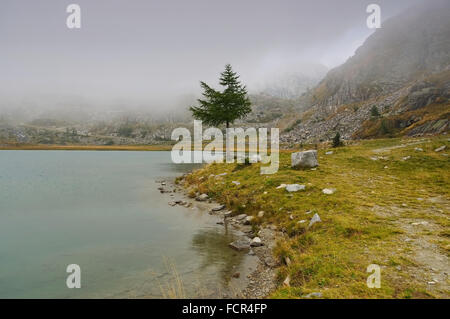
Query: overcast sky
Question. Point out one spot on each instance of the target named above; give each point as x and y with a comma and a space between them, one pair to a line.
155, 51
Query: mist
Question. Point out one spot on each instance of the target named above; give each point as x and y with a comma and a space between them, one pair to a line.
149, 56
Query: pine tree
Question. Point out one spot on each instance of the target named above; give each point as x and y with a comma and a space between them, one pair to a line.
227, 106
337, 140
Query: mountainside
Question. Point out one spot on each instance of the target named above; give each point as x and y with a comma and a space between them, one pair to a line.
396, 83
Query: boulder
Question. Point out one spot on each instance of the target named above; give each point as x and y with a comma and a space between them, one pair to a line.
295, 188
256, 242
306, 159
240, 244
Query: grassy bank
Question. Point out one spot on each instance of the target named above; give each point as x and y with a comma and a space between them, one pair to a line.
388, 209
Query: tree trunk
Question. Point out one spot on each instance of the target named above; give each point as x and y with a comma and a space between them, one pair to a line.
228, 124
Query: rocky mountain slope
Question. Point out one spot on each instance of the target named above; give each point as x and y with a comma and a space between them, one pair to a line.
396, 83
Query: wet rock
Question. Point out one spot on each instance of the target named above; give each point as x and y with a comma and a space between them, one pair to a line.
240, 244
306, 159
295, 188
228, 214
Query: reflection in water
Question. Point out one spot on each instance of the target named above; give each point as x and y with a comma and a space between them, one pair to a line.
212, 246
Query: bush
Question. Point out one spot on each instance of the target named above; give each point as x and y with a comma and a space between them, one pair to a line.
374, 111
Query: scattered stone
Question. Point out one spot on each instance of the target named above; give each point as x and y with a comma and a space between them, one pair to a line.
314, 295
261, 214
248, 220
218, 208
256, 242
431, 283
236, 183
329, 153
440, 149
172, 203
406, 158
282, 186
236, 275
308, 212
386, 167
374, 158
424, 223
287, 281
418, 149
295, 188
314, 219
291, 217
404, 205
328, 191
228, 214
301, 221
241, 216
222, 174
202, 198
287, 261
240, 244
306, 159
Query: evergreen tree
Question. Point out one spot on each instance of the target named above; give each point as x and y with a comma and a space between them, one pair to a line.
374, 111
337, 140
223, 107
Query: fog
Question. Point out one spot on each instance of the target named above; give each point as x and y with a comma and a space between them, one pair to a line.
151, 55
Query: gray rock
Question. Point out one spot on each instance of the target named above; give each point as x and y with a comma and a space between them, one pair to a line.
306, 159
248, 220
256, 242
261, 214
314, 295
228, 214
202, 198
328, 191
240, 244
314, 219
241, 216
329, 153
218, 208
440, 149
295, 188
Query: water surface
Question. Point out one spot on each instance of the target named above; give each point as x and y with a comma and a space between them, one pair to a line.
102, 211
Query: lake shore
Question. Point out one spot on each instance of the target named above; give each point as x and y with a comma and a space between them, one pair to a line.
75, 147
255, 277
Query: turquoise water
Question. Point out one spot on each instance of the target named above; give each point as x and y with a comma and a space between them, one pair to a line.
102, 211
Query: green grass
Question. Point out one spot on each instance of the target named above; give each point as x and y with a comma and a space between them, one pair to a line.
333, 255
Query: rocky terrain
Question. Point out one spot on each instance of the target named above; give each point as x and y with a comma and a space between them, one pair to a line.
402, 71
